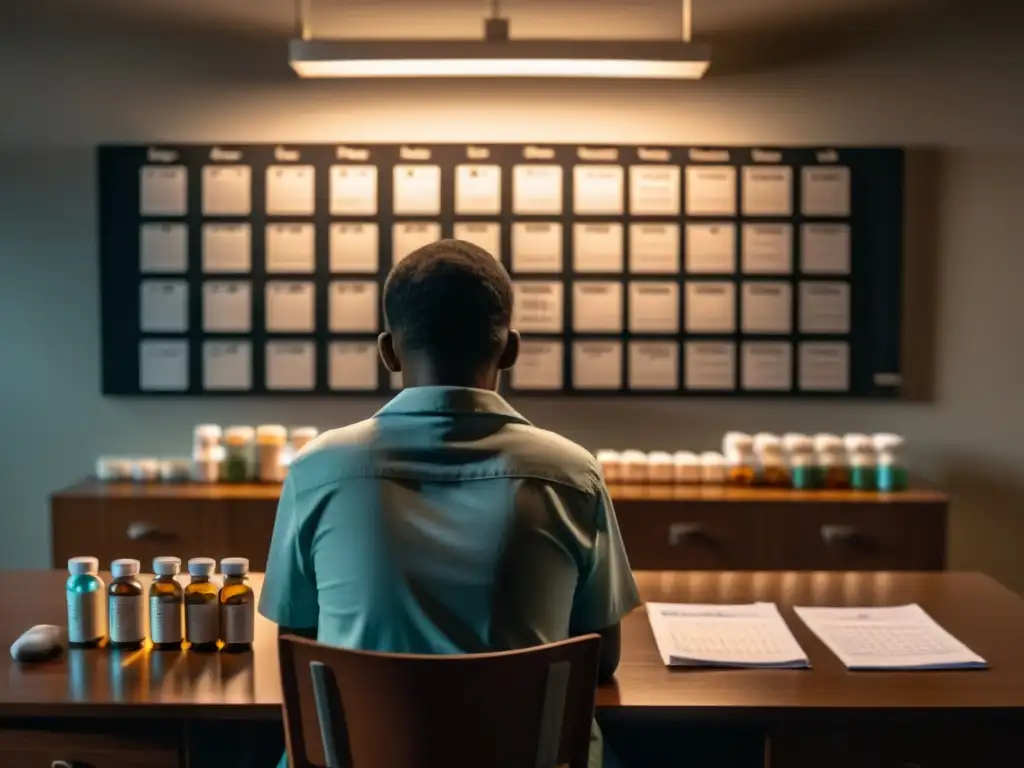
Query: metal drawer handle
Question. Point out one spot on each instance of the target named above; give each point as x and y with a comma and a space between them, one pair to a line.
61, 764
145, 531
833, 533
677, 532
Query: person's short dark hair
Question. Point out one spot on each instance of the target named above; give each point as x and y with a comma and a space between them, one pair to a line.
452, 301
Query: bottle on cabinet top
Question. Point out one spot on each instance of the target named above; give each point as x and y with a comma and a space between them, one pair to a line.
741, 461
238, 454
126, 606
891, 474
86, 599
660, 467
686, 467
611, 465
832, 466
634, 466
271, 440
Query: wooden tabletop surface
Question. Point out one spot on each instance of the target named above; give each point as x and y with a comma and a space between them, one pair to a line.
920, 494
983, 614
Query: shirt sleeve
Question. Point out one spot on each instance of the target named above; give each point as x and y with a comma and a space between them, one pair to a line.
606, 590
289, 595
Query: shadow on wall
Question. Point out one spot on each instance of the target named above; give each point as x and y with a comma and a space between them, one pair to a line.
921, 272
986, 526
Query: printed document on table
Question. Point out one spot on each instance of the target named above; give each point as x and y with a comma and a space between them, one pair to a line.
752, 636
898, 637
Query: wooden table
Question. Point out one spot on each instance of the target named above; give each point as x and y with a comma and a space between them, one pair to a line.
664, 527
149, 709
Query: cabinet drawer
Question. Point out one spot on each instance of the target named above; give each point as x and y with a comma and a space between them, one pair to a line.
31, 748
852, 536
143, 529
661, 536
886, 747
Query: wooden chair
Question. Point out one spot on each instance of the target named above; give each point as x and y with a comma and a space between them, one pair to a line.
517, 709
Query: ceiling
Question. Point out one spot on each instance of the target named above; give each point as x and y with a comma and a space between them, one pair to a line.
747, 35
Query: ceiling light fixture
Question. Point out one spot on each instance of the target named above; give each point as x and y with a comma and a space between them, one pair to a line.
499, 56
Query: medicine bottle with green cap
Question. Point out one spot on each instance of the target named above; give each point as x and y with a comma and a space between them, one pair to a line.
166, 601
126, 606
237, 606
202, 613
86, 593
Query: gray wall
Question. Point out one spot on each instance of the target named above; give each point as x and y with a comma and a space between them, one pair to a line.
949, 89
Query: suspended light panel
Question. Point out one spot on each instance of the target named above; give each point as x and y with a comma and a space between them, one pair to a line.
651, 60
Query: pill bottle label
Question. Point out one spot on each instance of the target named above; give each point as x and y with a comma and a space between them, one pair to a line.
165, 620
236, 623
127, 619
202, 622
85, 616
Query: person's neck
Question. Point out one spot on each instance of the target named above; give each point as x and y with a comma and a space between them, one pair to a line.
426, 375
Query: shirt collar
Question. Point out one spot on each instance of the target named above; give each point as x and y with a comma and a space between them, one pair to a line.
421, 401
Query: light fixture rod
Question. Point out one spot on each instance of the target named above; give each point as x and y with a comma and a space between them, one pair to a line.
302, 19
687, 20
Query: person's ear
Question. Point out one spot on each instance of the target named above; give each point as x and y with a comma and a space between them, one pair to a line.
510, 354
386, 347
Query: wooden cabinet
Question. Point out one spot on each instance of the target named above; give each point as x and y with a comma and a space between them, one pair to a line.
77, 745
663, 527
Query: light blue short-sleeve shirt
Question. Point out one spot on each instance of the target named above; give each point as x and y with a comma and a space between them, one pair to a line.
446, 524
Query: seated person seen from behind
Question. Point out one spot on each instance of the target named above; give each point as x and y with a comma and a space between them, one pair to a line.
448, 523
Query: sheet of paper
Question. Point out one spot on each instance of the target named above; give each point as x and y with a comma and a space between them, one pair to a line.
539, 365
753, 635
411, 236
163, 306
417, 190
654, 249
826, 190
824, 366
767, 190
710, 307
767, 249
477, 189
355, 248
537, 190
227, 248
767, 307
163, 190
227, 306
711, 249
536, 246
291, 365
653, 307
227, 190
597, 307
538, 306
598, 190
898, 637
597, 365
353, 365
710, 365
227, 365
654, 190
353, 190
486, 234
653, 365
597, 247
290, 307
825, 249
353, 306
767, 366
163, 366
291, 248
711, 190
163, 248
291, 190
824, 307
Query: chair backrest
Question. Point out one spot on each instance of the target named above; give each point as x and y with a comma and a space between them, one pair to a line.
516, 709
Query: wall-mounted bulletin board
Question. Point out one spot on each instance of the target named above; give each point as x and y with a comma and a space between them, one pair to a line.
671, 271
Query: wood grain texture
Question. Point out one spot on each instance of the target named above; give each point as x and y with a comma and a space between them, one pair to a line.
983, 614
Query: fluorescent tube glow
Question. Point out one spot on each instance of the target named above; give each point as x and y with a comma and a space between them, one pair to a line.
518, 58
